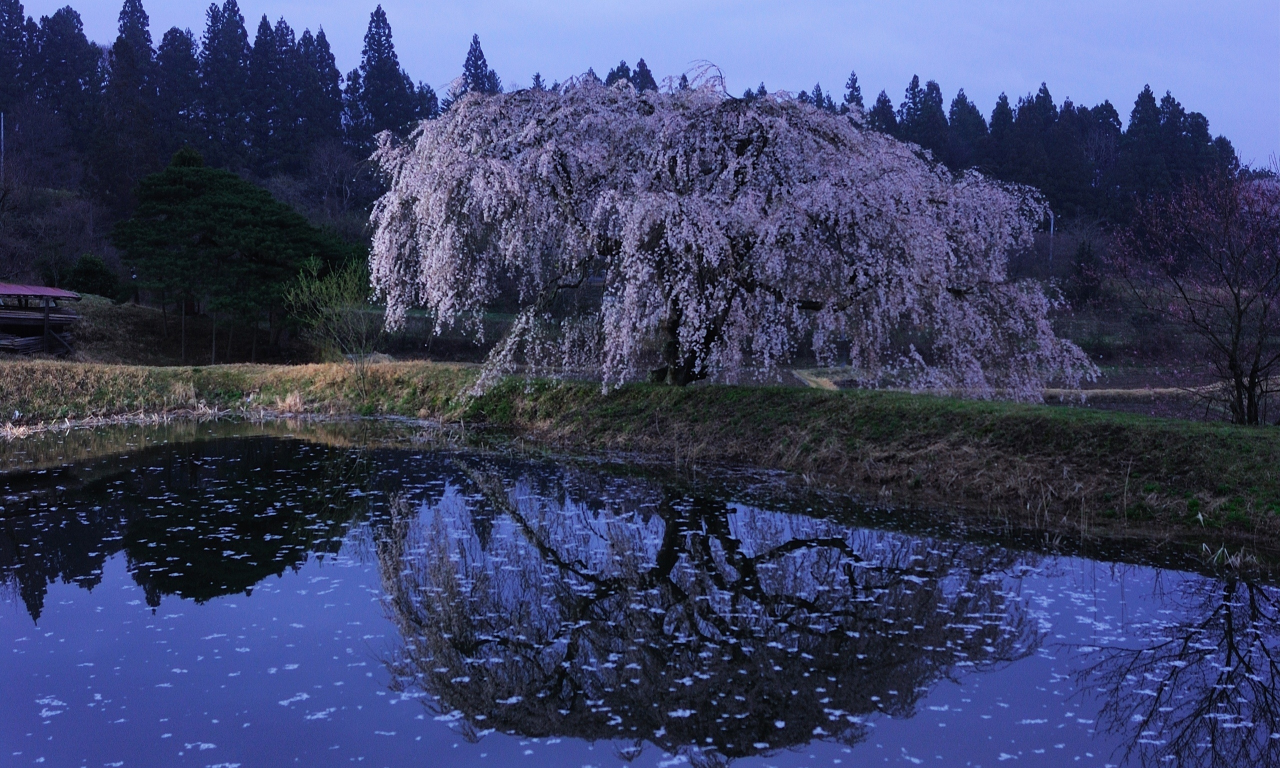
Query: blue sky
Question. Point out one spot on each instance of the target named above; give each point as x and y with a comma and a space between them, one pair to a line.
1220, 58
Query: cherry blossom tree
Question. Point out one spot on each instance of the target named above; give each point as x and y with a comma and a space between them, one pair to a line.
683, 235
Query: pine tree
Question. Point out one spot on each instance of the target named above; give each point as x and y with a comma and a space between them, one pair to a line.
14, 78
967, 137
853, 91
224, 83
882, 117
642, 78
761, 92
537, 84
620, 72
476, 75
177, 111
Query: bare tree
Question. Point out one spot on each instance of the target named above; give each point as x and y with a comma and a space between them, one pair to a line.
1208, 258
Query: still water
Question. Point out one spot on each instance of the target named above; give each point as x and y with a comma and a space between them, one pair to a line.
247, 597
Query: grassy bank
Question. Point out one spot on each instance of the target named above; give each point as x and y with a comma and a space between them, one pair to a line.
1062, 471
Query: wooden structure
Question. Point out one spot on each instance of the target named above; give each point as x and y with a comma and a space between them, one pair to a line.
34, 319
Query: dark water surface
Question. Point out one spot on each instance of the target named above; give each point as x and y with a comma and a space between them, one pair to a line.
257, 599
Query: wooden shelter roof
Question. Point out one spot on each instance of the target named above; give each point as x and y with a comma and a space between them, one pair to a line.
36, 292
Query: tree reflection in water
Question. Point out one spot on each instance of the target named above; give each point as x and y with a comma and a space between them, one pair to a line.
1203, 689
196, 520
564, 605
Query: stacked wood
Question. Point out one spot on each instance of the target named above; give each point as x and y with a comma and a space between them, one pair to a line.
31, 319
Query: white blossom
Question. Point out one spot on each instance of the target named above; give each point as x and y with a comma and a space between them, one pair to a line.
693, 235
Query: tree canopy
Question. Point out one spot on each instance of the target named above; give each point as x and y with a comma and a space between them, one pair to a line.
687, 235
205, 233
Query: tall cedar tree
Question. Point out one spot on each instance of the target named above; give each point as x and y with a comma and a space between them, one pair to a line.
921, 119
68, 73
127, 146
224, 84
320, 90
620, 72
882, 117
1001, 139
476, 75
385, 97
642, 78
275, 107
14, 78
967, 138
852, 91
177, 111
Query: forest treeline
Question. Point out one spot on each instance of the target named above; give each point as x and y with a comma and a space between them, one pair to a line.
85, 123
1085, 160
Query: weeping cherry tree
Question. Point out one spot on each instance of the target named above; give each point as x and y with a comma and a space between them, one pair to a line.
685, 234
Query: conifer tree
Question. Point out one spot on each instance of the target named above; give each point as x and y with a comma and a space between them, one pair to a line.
1000, 145
320, 90
67, 72
853, 91
642, 78
967, 137
537, 84
224, 81
620, 72
931, 130
127, 147
882, 117
912, 107
387, 99
14, 77
476, 74
177, 111
275, 99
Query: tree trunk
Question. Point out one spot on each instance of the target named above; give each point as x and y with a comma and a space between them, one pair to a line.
184, 328
213, 357
678, 371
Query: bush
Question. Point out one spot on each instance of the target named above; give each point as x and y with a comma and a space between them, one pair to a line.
92, 275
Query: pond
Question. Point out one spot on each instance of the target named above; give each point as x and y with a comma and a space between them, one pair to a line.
255, 596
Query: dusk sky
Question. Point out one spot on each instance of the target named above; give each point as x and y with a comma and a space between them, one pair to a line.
1220, 58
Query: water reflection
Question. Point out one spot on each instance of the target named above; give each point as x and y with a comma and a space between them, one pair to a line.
540, 600
1201, 690
561, 604
196, 520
